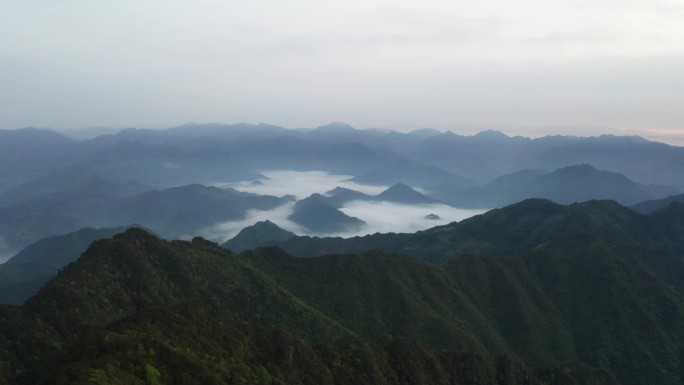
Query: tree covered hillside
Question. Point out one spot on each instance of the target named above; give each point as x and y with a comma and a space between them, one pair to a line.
138, 309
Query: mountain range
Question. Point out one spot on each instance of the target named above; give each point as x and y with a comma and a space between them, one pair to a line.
171, 212
573, 277
534, 293
565, 185
197, 153
51, 184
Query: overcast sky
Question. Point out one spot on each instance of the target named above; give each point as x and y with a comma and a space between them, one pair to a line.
526, 64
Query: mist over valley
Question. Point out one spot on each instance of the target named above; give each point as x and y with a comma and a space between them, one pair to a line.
378, 215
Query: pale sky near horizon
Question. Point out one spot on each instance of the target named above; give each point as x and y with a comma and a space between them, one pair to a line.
601, 65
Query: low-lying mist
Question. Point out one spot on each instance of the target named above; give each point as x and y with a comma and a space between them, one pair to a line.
301, 184
380, 216
388, 217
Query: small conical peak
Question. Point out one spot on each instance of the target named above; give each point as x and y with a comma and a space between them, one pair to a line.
579, 169
339, 190
135, 233
491, 134
400, 187
265, 224
336, 126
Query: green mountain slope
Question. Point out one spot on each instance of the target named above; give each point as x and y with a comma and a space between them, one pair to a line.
579, 294
256, 235
517, 228
190, 345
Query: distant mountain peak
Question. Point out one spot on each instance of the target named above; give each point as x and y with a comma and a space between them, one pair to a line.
400, 186
336, 126
402, 193
425, 132
262, 233
578, 168
320, 215
341, 191
491, 134
448, 134
314, 198
337, 190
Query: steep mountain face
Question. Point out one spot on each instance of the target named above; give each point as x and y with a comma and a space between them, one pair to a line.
256, 235
136, 308
319, 215
566, 185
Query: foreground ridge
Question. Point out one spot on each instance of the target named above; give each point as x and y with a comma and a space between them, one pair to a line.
565, 310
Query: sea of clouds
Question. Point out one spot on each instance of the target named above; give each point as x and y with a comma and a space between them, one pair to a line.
383, 217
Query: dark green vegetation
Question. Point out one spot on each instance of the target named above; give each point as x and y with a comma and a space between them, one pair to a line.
22, 275
520, 228
535, 293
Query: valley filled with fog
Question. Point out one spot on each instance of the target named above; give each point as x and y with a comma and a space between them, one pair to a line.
379, 216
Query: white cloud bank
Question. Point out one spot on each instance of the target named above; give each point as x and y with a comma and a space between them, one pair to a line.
301, 184
380, 217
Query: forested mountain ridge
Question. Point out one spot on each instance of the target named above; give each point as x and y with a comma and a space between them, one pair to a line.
514, 229
605, 308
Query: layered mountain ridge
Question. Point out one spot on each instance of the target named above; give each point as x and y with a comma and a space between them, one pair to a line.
568, 294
